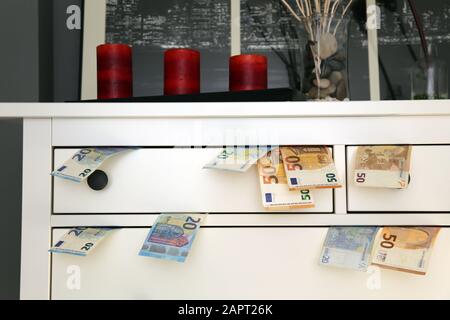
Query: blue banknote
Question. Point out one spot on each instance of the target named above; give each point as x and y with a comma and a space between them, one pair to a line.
84, 162
348, 247
171, 236
80, 241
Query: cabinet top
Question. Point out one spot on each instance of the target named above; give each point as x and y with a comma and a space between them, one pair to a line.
226, 110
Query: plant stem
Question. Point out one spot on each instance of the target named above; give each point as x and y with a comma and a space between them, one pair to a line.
419, 26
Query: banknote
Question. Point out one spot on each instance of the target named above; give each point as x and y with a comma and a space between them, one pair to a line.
309, 167
171, 236
382, 166
348, 247
80, 241
237, 159
83, 163
404, 249
274, 187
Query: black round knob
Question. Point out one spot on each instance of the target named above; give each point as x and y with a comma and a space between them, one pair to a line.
97, 180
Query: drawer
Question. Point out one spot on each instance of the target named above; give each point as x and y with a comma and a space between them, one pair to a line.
237, 263
428, 190
155, 180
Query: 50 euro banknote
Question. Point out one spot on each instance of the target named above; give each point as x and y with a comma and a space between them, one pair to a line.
84, 162
237, 159
274, 187
382, 166
80, 241
405, 249
348, 247
309, 167
172, 236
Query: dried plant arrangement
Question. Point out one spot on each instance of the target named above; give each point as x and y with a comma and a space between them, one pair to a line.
322, 20
327, 9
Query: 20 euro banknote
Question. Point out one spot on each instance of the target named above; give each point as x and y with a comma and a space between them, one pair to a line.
83, 163
80, 241
172, 236
348, 247
237, 159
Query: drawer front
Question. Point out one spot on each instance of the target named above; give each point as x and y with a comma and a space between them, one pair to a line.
167, 180
237, 263
427, 192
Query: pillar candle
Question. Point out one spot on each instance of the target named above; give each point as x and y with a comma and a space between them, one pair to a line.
248, 72
181, 72
114, 71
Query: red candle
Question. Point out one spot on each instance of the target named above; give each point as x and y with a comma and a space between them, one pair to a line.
114, 71
181, 72
248, 72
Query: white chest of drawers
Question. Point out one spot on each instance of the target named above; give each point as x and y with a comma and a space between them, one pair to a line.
242, 251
